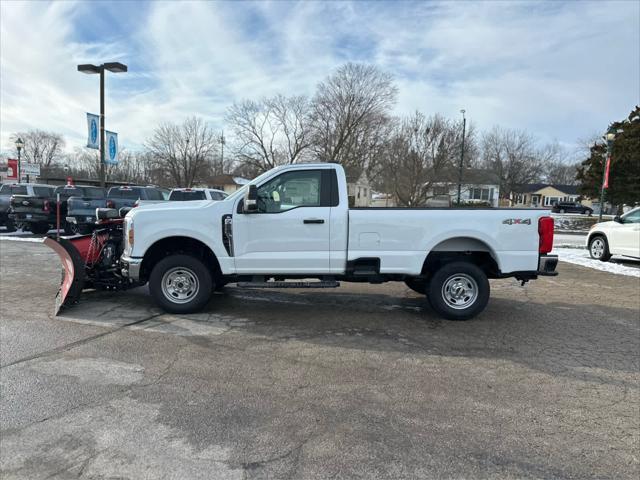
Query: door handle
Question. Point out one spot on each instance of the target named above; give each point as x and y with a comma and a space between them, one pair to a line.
313, 220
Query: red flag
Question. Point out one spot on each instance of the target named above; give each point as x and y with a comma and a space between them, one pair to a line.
606, 173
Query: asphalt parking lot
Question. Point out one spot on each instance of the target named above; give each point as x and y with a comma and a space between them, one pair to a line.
358, 382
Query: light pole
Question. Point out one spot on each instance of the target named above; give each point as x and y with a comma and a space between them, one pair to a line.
464, 125
19, 147
115, 67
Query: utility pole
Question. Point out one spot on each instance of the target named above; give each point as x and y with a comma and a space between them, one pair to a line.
223, 142
464, 125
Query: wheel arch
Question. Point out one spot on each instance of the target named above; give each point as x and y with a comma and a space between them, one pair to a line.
462, 248
180, 244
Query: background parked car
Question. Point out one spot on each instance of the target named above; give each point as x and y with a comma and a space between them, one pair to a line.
185, 194
30, 193
571, 207
618, 237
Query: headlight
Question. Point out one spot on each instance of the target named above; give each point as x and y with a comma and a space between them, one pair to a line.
128, 236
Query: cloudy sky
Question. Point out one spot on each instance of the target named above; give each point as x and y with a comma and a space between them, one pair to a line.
561, 70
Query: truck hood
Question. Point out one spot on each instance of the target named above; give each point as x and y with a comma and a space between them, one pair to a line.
171, 206
174, 209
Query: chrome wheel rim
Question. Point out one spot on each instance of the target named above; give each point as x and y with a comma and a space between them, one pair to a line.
180, 285
460, 291
597, 248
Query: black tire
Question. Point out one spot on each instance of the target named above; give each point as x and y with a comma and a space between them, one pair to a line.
599, 248
465, 278
70, 228
10, 225
175, 271
418, 286
39, 228
589, 212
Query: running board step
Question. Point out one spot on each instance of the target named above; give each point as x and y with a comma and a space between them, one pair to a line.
279, 284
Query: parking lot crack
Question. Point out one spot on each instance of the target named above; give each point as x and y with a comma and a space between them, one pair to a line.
77, 343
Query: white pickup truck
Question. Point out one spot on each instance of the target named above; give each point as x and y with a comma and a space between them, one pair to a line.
292, 227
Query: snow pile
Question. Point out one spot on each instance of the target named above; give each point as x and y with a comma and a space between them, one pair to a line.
581, 257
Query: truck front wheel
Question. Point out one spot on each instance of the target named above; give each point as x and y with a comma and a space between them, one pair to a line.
459, 291
181, 284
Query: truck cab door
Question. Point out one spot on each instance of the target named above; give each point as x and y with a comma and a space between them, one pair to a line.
289, 231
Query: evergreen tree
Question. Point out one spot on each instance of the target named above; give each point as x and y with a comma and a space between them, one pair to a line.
624, 171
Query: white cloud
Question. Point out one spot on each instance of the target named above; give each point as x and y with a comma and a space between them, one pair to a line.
561, 70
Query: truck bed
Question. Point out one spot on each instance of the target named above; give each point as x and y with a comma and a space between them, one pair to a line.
401, 237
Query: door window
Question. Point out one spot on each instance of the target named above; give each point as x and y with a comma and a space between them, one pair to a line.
290, 190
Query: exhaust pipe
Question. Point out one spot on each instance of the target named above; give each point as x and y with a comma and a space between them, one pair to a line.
73, 272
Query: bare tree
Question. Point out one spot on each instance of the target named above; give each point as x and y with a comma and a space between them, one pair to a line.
418, 149
349, 110
183, 152
271, 132
43, 148
512, 155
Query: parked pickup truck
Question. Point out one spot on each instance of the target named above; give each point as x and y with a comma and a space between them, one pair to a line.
28, 192
38, 213
294, 223
81, 208
129, 196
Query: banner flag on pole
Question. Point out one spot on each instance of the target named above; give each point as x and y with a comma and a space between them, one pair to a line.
111, 150
606, 173
93, 131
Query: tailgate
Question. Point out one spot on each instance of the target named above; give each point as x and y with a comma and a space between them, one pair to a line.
27, 204
84, 207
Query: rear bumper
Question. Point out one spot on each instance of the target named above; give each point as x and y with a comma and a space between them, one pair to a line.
547, 265
131, 267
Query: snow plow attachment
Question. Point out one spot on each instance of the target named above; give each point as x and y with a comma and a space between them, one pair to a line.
73, 272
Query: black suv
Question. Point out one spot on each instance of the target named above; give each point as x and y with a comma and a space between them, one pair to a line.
571, 207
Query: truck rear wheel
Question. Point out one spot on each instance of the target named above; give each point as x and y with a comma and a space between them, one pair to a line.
181, 284
459, 291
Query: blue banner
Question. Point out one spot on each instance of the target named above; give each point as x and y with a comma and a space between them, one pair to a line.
93, 131
111, 150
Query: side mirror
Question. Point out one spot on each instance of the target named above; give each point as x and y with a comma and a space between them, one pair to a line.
250, 204
617, 219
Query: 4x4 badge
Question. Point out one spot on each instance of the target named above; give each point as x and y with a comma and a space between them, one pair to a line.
517, 221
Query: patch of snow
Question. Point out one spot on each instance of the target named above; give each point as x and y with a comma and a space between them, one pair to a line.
582, 258
7, 238
240, 180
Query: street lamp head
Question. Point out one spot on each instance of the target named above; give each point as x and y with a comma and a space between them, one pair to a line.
19, 144
88, 68
115, 67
